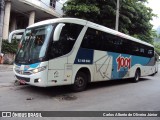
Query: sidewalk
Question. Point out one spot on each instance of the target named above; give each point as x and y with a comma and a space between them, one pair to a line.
4, 67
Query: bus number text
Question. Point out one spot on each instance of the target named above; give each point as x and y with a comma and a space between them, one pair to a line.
123, 62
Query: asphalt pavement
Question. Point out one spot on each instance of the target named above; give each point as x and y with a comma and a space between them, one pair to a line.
121, 95
5, 67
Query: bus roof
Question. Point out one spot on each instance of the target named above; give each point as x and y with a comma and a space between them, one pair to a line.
89, 24
57, 20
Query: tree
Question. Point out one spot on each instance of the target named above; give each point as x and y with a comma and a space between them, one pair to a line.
134, 15
85, 9
156, 42
157, 47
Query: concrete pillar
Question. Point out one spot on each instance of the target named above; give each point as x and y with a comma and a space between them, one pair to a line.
6, 19
31, 18
13, 24
1, 20
1, 17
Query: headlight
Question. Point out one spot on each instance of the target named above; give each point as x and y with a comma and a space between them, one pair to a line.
38, 69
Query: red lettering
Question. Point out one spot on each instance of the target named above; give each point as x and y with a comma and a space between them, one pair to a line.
119, 63
123, 62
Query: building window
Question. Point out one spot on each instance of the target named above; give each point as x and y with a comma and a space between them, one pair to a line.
53, 3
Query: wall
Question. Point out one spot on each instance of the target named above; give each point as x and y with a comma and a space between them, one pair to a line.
46, 2
59, 5
41, 3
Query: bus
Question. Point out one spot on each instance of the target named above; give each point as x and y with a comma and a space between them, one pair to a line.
71, 51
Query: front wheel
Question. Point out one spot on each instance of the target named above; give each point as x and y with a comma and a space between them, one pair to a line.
80, 82
137, 76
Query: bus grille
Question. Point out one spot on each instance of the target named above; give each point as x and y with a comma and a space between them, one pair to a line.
22, 78
23, 72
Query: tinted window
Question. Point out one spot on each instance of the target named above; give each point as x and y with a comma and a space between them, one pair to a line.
90, 39
33, 45
68, 36
98, 40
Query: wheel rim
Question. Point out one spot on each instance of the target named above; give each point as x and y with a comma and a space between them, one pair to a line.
79, 81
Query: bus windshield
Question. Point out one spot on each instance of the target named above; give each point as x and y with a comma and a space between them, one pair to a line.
33, 44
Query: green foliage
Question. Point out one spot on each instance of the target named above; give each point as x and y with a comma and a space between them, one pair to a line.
158, 36
154, 34
84, 9
140, 17
134, 15
9, 47
157, 48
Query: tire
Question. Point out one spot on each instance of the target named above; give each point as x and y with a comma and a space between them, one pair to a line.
80, 82
137, 76
156, 71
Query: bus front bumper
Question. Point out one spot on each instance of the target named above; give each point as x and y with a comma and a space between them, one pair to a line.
38, 79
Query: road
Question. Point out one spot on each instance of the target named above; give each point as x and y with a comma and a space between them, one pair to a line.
120, 95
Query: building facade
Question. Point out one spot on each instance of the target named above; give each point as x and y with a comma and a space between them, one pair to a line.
18, 14
1, 16
2, 4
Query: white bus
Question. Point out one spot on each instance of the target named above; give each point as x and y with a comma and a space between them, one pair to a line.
70, 51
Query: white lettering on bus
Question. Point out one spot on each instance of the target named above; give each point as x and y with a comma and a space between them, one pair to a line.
84, 60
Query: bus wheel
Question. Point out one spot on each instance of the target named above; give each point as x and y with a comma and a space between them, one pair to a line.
80, 82
137, 76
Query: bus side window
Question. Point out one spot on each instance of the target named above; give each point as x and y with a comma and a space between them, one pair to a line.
126, 46
67, 38
89, 40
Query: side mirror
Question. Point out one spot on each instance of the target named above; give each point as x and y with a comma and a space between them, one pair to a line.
13, 33
57, 31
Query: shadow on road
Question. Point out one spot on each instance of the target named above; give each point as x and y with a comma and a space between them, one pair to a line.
49, 91
65, 91
113, 83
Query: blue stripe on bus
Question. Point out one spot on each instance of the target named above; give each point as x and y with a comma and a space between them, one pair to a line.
84, 56
27, 67
123, 71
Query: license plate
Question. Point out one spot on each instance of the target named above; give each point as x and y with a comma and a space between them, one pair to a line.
22, 81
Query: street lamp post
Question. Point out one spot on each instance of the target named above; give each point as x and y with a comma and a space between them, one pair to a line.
117, 16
